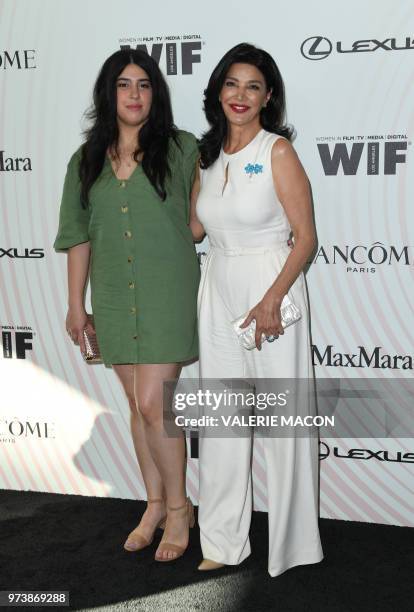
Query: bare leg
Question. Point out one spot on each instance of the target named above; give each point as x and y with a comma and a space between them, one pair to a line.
168, 453
151, 476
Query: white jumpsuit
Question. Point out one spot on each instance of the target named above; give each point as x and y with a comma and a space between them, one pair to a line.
248, 232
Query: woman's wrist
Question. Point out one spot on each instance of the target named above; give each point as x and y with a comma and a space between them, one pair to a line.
76, 305
276, 294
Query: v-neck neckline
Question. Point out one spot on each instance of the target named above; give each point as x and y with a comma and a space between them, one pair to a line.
108, 161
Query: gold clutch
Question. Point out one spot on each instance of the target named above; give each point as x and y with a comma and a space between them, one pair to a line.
92, 353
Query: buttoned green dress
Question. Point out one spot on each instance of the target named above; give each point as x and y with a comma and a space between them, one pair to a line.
144, 269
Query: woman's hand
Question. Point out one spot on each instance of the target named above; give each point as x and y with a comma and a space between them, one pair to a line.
76, 321
268, 318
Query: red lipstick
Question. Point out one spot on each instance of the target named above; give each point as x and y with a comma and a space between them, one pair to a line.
239, 108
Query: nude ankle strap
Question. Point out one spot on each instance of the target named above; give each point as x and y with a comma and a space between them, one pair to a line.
187, 502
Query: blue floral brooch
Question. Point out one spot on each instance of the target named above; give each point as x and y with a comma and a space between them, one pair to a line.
251, 169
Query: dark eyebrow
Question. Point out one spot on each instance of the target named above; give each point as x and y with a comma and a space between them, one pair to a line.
252, 81
128, 79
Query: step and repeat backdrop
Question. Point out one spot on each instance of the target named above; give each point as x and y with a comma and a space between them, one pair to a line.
349, 73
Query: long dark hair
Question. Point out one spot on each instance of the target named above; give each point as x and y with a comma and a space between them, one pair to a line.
271, 117
154, 135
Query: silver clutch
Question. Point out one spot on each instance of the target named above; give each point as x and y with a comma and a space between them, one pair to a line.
289, 313
92, 353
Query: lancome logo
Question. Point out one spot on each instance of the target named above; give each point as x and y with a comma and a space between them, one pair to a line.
364, 258
361, 358
21, 59
13, 428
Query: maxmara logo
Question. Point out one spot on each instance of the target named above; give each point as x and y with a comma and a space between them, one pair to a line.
364, 258
372, 155
320, 47
178, 53
376, 357
14, 164
21, 59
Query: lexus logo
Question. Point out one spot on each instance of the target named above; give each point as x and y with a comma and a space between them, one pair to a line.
366, 454
324, 450
319, 47
316, 48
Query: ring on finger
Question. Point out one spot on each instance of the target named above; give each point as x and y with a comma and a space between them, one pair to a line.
271, 338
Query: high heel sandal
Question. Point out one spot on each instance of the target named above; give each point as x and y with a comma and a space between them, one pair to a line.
139, 541
167, 546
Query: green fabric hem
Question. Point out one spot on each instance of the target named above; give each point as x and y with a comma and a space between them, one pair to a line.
153, 361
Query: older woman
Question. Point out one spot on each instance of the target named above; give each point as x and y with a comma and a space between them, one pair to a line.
253, 193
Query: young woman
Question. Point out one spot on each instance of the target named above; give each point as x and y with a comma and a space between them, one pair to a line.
125, 212
253, 193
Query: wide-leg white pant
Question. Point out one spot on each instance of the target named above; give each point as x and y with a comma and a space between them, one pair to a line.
233, 281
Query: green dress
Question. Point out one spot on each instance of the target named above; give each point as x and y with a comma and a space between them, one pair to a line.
144, 267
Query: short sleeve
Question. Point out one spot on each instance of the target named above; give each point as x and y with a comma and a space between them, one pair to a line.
191, 155
73, 218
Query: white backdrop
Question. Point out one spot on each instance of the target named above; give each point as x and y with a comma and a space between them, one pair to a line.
348, 70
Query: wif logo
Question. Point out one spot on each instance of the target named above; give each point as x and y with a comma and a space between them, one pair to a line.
16, 341
177, 53
382, 154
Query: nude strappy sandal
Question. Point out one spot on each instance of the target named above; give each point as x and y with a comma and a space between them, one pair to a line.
139, 541
166, 546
